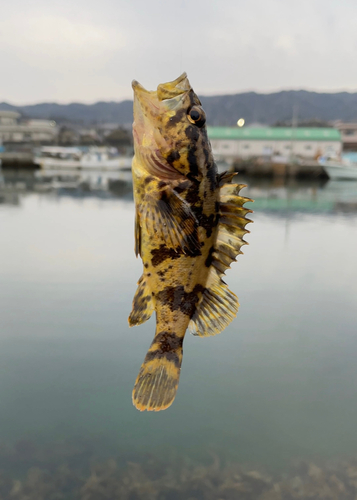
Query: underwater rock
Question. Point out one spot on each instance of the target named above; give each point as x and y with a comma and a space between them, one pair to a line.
71, 472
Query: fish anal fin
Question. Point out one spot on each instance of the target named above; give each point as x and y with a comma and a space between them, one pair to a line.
216, 309
171, 218
143, 306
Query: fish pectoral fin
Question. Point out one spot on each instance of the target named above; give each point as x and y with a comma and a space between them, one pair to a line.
171, 218
217, 308
143, 306
231, 226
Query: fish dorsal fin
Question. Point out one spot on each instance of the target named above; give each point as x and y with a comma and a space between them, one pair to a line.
231, 226
171, 218
143, 306
226, 177
217, 308
218, 305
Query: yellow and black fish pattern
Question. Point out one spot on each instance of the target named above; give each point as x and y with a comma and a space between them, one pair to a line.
189, 227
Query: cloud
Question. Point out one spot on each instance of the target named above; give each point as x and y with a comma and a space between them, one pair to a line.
52, 40
88, 50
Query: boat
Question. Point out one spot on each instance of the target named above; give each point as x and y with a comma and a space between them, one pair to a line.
339, 168
93, 180
94, 158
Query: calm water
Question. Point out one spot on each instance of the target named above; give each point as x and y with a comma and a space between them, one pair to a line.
279, 383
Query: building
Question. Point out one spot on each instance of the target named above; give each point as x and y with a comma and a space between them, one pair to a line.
231, 143
17, 131
348, 134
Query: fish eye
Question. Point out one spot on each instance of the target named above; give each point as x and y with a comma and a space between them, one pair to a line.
197, 116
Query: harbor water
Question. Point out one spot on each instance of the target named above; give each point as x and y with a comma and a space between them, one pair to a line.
277, 386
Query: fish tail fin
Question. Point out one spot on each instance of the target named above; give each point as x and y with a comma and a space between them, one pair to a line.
156, 385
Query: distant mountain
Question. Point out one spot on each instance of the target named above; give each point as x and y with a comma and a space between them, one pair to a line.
279, 107
221, 110
86, 114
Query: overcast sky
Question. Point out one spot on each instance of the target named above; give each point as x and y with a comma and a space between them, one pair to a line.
89, 50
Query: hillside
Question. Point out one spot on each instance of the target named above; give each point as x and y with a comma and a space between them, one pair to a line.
221, 110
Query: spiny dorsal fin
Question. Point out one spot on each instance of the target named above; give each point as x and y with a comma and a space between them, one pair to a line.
143, 306
217, 308
218, 305
172, 218
231, 226
225, 177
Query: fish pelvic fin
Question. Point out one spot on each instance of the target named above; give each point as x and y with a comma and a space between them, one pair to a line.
143, 306
156, 385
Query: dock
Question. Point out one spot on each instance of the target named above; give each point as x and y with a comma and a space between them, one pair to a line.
17, 159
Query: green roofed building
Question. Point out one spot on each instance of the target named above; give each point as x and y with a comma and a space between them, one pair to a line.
229, 143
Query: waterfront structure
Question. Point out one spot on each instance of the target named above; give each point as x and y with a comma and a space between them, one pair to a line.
283, 143
14, 130
348, 134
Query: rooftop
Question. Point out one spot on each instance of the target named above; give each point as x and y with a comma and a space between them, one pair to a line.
275, 133
349, 126
9, 114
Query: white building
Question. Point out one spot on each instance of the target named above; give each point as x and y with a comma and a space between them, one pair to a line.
348, 134
230, 143
12, 130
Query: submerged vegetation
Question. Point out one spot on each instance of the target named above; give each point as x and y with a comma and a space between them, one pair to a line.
71, 472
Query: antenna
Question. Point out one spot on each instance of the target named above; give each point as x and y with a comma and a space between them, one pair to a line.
294, 123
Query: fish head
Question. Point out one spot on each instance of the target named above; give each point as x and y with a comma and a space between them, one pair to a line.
170, 137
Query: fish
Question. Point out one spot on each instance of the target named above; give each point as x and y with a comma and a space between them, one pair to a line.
189, 227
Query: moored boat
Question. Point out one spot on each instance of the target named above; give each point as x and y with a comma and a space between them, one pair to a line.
339, 168
95, 158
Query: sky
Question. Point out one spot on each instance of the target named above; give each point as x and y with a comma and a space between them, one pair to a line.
89, 50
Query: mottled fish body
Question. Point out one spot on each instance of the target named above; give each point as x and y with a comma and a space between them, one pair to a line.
189, 227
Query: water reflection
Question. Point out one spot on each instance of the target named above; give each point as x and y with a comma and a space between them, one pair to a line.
278, 385
65, 183
269, 195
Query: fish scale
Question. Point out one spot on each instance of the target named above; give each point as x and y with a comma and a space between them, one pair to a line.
189, 227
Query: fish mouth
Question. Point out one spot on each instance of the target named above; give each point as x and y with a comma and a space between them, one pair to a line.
145, 101
146, 109
179, 85
149, 100
173, 89
148, 106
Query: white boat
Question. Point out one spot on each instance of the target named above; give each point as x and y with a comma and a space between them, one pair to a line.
339, 168
71, 178
96, 158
